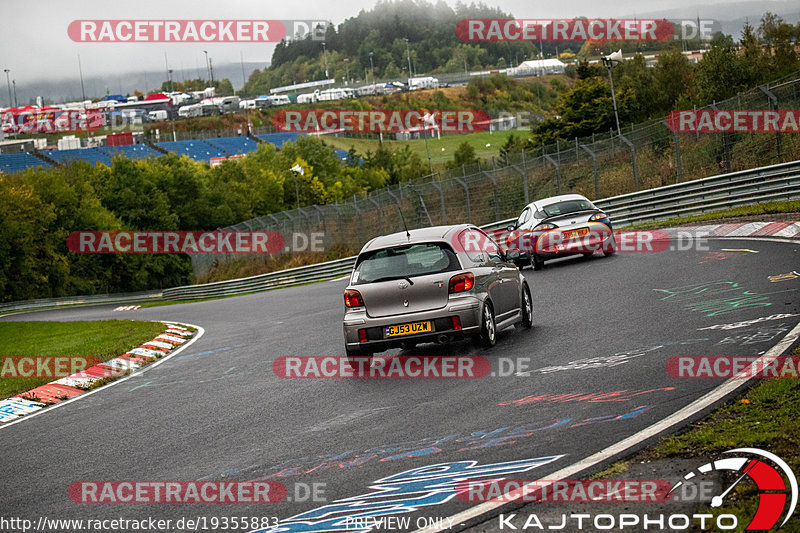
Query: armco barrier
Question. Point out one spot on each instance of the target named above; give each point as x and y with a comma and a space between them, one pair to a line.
79, 300
746, 187
764, 184
262, 282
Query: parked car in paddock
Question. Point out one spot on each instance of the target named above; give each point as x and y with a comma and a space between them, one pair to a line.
559, 226
435, 284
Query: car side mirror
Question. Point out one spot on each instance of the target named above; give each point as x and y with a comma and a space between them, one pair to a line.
512, 227
512, 254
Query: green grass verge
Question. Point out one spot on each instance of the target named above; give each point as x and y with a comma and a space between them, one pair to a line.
104, 339
438, 156
789, 206
764, 417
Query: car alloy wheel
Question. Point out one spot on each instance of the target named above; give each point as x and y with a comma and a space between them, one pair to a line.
527, 308
488, 334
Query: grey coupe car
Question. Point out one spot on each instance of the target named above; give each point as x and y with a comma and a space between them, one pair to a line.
433, 284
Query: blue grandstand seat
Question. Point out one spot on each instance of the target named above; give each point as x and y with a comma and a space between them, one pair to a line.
197, 150
20, 161
90, 155
131, 151
233, 145
279, 138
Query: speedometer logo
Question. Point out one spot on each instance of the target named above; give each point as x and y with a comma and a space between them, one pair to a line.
775, 481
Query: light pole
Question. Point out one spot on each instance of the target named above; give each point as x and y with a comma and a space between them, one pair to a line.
297, 169
208, 68
169, 77
371, 67
408, 54
14, 83
346, 70
8, 81
325, 59
608, 62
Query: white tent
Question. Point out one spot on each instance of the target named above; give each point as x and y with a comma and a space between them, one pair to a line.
539, 67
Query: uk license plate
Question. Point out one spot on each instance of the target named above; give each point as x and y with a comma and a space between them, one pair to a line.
576, 233
407, 329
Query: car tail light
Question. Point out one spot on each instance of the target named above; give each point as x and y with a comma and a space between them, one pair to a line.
362, 335
352, 298
461, 282
545, 227
597, 216
456, 322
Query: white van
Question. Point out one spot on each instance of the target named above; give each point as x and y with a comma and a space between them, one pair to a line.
278, 99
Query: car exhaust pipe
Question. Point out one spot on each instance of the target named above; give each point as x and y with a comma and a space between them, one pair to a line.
442, 339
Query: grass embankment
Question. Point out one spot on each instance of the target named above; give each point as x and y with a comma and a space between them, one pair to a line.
441, 150
104, 339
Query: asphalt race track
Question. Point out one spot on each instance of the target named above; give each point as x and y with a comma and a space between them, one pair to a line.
217, 410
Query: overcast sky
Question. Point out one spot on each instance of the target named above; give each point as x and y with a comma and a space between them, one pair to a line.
34, 43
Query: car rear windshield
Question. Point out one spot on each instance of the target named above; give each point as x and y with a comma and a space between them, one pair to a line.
405, 262
568, 206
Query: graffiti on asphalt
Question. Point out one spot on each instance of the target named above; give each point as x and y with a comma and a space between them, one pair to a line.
591, 397
717, 297
399, 494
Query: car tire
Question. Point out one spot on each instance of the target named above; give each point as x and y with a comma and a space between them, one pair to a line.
527, 309
354, 355
488, 334
537, 262
609, 249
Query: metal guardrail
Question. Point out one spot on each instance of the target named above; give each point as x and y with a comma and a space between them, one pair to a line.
273, 280
43, 303
764, 184
746, 187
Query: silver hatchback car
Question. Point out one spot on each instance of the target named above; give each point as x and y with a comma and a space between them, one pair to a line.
432, 285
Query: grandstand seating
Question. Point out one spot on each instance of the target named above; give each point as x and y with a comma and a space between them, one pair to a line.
279, 138
233, 145
20, 161
197, 150
90, 155
131, 151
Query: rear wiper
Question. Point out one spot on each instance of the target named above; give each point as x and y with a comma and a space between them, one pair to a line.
390, 278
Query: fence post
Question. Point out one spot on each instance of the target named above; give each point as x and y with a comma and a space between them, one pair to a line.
773, 104
397, 201
525, 178
726, 153
594, 172
321, 217
466, 191
558, 172
494, 191
360, 225
633, 161
379, 211
676, 140
441, 196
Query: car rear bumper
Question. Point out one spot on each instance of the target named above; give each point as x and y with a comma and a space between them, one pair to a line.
467, 308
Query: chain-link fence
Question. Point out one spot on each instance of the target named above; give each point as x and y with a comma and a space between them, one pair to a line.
647, 156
